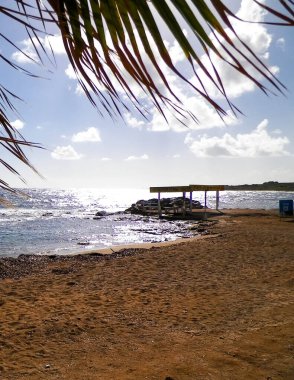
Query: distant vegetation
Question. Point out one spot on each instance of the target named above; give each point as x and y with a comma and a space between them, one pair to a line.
270, 186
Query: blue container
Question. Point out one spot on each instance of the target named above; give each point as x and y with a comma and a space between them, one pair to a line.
286, 207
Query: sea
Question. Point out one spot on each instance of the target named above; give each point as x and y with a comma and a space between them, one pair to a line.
64, 221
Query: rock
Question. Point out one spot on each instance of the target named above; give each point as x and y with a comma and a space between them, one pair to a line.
47, 214
101, 213
83, 243
194, 227
71, 283
143, 207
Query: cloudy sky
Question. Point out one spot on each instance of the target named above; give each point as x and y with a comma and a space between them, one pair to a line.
84, 149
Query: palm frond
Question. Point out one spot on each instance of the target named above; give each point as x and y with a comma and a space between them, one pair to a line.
12, 141
99, 34
107, 42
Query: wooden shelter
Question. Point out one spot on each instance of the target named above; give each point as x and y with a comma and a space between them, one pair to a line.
187, 189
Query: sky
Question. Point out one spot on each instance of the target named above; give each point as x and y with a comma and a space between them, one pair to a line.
83, 149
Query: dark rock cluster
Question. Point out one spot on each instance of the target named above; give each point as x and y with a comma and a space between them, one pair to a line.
144, 207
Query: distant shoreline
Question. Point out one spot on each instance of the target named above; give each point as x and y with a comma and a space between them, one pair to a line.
266, 186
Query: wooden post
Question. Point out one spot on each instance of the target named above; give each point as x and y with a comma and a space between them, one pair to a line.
184, 203
205, 204
217, 199
159, 206
191, 198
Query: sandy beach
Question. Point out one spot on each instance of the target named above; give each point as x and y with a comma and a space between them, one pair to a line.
218, 307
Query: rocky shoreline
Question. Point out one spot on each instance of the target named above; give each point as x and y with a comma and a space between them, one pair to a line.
144, 207
150, 206
27, 264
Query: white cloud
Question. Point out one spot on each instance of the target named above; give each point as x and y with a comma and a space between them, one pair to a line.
256, 143
56, 43
207, 117
281, 43
79, 89
250, 11
90, 135
17, 124
132, 121
105, 159
175, 50
70, 73
28, 54
134, 158
65, 153
254, 35
53, 42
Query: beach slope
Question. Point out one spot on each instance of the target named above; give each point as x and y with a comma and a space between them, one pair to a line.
214, 308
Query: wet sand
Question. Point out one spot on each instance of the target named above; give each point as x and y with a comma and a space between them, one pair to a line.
220, 307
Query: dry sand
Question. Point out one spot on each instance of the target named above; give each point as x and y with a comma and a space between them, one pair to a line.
214, 308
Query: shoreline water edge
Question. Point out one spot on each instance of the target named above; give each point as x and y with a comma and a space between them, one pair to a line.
65, 221
201, 229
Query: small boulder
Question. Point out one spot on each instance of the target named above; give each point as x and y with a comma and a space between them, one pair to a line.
101, 213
